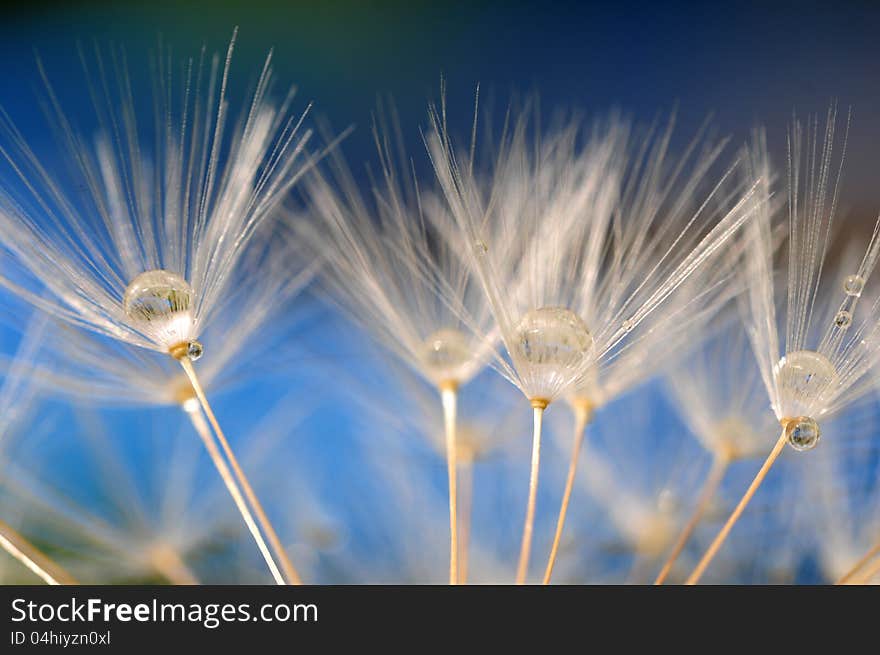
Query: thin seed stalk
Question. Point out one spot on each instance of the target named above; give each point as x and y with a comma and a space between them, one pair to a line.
289, 570
710, 487
21, 549
869, 573
867, 557
582, 414
740, 508
449, 396
528, 526
204, 433
465, 495
170, 565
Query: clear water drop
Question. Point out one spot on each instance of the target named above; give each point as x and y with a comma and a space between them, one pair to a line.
853, 285
843, 319
804, 377
156, 296
159, 304
445, 353
194, 350
628, 325
802, 433
553, 337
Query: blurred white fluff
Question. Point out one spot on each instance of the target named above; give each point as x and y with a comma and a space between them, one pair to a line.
641, 471
188, 207
841, 488
608, 225
153, 508
720, 396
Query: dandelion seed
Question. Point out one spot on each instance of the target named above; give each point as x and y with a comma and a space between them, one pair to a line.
821, 368
582, 217
148, 254
719, 393
397, 267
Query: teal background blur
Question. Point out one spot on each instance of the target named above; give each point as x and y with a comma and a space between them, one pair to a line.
745, 62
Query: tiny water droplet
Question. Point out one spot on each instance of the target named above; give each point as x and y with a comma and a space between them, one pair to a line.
480, 247
802, 433
843, 319
628, 325
853, 285
194, 350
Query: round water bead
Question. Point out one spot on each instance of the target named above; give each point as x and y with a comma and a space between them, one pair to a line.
802, 433
160, 304
553, 337
853, 285
156, 296
194, 350
445, 354
843, 319
803, 377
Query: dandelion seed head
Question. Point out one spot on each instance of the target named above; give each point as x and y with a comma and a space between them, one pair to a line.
396, 265
606, 223
816, 342
730, 433
719, 393
447, 355
552, 346
137, 232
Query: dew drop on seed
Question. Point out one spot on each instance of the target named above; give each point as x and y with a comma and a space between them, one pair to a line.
843, 319
194, 350
802, 433
157, 296
445, 353
853, 285
553, 336
803, 378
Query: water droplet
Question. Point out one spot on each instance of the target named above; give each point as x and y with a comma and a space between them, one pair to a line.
480, 247
156, 295
853, 285
159, 303
803, 377
843, 319
194, 350
555, 337
628, 325
445, 353
802, 433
